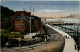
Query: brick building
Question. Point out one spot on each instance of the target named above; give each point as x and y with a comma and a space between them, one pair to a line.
21, 21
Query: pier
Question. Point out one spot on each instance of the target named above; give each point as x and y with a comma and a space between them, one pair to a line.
61, 25
72, 31
64, 24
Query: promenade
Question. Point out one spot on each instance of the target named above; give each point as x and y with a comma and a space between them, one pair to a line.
55, 44
69, 43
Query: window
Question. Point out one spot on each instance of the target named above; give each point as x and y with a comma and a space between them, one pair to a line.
17, 27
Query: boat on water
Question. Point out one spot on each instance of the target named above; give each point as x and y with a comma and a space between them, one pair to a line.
55, 22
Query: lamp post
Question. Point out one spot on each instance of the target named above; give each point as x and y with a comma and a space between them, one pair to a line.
30, 19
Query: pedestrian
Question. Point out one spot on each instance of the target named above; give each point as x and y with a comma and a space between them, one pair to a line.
7, 44
45, 38
75, 47
64, 36
78, 47
68, 37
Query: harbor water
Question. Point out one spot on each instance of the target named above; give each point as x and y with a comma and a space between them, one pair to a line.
76, 36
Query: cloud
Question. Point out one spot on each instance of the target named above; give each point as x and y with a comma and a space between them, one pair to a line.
50, 10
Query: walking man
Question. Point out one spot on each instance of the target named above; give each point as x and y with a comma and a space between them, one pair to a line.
78, 47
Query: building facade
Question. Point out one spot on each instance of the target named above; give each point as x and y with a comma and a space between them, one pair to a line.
21, 22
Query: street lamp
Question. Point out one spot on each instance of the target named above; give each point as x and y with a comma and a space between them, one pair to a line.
29, 18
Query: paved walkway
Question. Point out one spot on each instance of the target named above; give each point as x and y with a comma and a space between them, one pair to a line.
69, 43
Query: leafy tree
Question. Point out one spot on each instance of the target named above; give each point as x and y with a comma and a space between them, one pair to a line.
6, 14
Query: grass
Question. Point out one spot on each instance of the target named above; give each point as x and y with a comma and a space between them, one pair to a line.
11, 35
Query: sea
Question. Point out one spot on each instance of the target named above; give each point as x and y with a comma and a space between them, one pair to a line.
76, 36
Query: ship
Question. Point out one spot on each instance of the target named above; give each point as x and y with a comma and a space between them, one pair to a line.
55, 22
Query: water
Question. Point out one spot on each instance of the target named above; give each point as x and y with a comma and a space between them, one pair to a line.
73, 27
68, 20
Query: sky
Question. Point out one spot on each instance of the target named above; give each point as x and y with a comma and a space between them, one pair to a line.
41, 0
45, 8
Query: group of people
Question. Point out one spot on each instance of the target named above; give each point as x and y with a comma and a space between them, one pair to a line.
67, 37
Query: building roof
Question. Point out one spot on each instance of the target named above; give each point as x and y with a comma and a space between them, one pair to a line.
24, 15
35, 17
18, 14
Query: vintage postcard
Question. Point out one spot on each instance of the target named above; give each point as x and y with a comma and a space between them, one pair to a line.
40, 26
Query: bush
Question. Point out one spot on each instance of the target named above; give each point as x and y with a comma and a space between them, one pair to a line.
14, 42
6, 36
11, 35
3, 40
22, 32
22, 37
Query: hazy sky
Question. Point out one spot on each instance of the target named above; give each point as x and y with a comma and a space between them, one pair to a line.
45, 8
